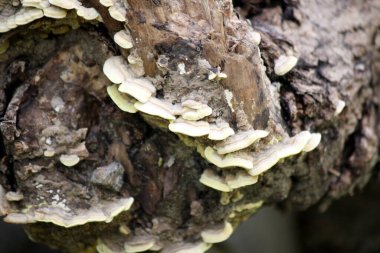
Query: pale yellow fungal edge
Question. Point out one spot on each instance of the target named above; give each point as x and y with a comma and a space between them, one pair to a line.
106, 3
212, 180
230, 160
220, 131
54, 12
268, 158
240, 141
139, 244
118, 13
217, 235
116, 69
69, 160
340, 105
240, 179
139, 88
87, 13
123, 39
156, 107
122, 101
66, 4
284, 64
102, 248
190, 128
14, 196
103, 212
315, 139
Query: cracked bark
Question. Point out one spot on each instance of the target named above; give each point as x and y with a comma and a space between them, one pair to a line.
338, 46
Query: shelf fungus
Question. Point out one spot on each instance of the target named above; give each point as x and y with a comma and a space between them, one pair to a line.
268, 158
54, 12
196, 247
123, 101
118, 13
220, 131
116, 69
87, 13
339, 106
40, 4
193, 110
284, 64
315, 139
139, 88
240, 141
240, 179
66, 4
139, 244
212, 180
123, 39
230, 160
106, 3
216, 74
156, 107
190, 128
218, 234
104, 211
27, 15
69, 160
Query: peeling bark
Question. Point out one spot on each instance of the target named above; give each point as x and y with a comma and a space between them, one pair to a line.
54, 102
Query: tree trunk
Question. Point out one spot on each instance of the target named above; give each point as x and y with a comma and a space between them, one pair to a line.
82, 175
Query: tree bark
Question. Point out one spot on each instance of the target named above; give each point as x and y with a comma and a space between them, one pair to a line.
53, 98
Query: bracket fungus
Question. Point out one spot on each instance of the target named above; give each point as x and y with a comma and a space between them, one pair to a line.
240, 179
66, 4
230, 160
123, 39
118, 13
339, 106
313, 142
240, 141
219, 234
69, 160
123, 101
220, 131
104, 211
212, 180
139, 88
139, 244
284, 64
87, 13
190, 128
156, 107
54, 12
116, 69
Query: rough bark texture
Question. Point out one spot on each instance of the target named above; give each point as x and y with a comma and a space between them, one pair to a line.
53, 94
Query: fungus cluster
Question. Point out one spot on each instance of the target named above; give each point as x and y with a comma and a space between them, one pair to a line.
35, 9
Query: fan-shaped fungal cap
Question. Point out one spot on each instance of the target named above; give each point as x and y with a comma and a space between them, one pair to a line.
230, 160
123, 39
268, 158
199, 247
339, 107
240, 179
66, 4
190, 128
156, 107
118, 13
220, 131
11, 22
104, 211
219, 234
191, 114
69, 160
140, 88
54, 12
240, 140
107, 3
192, 104
284, 64
315, 139
87, 13
41, 4
3, 26
103, 248
138, 244
254, 37
212, 180
122, 101
116, 69
27, 15
14, 196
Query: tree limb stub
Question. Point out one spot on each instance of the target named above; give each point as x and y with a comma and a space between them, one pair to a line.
160, 125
